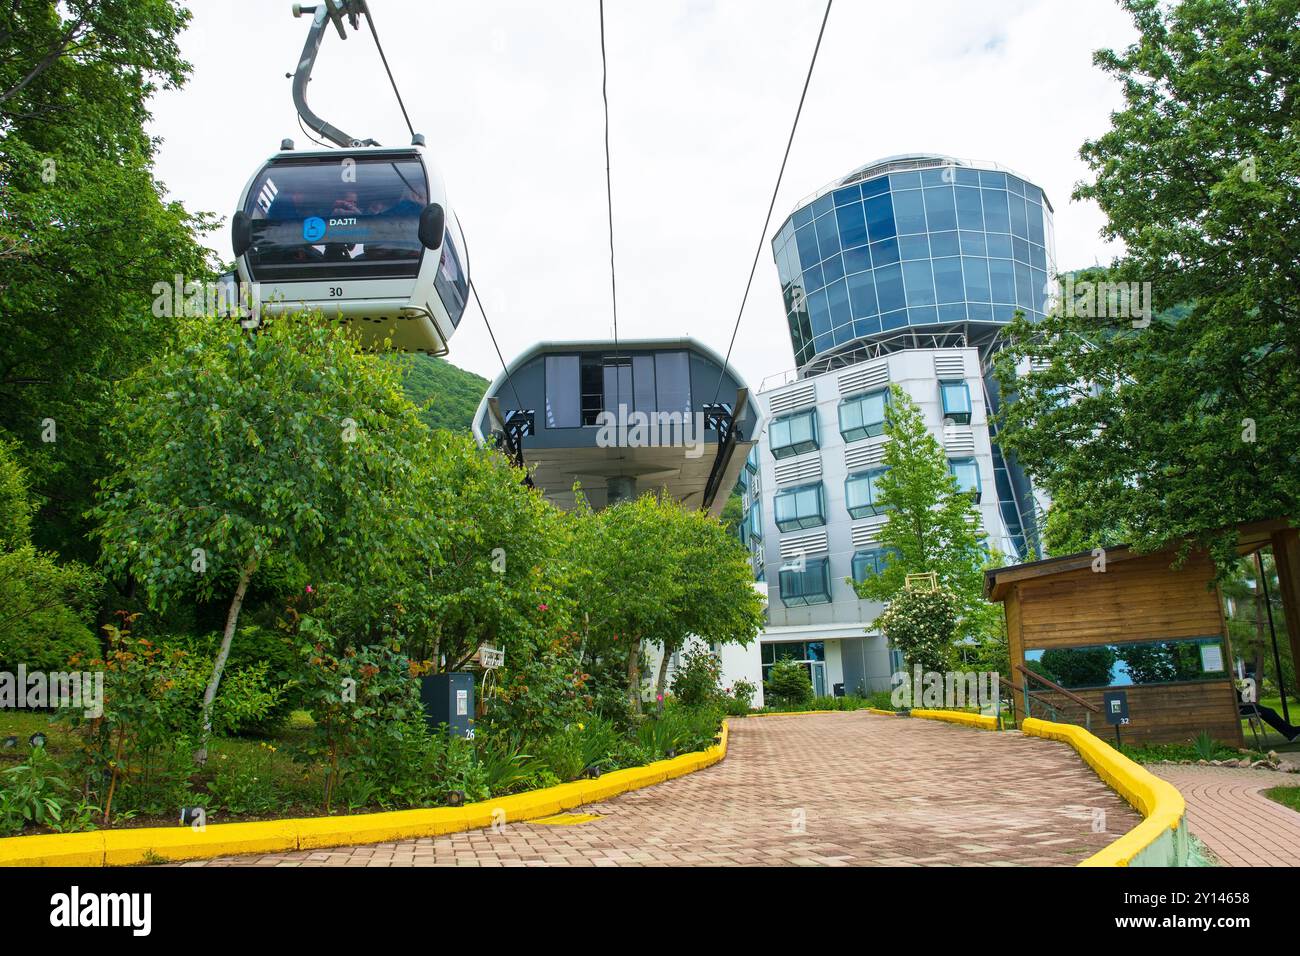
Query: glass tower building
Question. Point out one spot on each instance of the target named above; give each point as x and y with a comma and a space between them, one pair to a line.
911, 246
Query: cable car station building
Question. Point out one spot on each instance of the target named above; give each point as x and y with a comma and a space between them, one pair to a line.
621, 419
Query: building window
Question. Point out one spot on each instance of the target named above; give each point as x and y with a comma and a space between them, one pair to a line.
862, 493
867, 564
805, 652
751, 461
755, 518
810, 586
802, 507
956, 402
863, 415
967, 473
793, 434
562, 392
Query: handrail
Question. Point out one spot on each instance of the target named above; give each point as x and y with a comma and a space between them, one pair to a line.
1058, 688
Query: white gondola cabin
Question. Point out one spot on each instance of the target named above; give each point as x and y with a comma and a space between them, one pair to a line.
364, 235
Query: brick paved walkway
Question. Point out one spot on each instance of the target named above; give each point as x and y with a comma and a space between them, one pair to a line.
837, 789
1227, 810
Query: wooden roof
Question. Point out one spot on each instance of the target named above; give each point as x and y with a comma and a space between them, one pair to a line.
1251, 536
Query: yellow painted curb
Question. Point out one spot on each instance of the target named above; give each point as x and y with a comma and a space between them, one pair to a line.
1157, 800
979, 721
152, 844
885, 713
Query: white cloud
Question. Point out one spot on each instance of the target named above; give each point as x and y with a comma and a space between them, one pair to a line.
701, 97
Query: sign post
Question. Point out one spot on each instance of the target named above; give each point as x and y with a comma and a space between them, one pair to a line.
1115, 703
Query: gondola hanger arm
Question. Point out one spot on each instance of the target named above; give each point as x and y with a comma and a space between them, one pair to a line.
323, 14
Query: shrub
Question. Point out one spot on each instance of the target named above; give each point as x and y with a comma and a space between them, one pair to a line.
32, 793
921, 624
697, 681
44, 608
742, 692
367, 712
590, 743
505, 766
788, 683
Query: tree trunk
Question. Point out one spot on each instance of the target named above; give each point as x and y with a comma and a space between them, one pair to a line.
634, 677
210, 695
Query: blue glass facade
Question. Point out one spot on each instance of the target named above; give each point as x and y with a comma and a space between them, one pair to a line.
937, 247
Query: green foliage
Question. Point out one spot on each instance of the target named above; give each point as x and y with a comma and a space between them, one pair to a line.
589, 744
281, 441
733, 512
15, 504
44, 611
921, 624
788, 683
1147, 434
738, 700
1205, 745
245, 786
86, 233
367, 712
447, 396
678, 729
45, 606
32, 793
240, 446
695, 580
698, 681
505, 766
137, 754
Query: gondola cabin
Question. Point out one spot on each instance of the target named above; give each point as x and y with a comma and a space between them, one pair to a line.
362, 235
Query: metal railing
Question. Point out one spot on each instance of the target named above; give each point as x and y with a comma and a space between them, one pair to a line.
1055, 710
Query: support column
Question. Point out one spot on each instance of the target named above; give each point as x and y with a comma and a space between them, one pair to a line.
1286, 554
619, 488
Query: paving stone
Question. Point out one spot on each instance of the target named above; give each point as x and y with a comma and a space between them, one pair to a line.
837, 789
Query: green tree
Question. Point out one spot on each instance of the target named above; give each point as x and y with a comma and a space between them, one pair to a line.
238, 449
1149, 433
85, 235
932, 525
717, 602
652, 572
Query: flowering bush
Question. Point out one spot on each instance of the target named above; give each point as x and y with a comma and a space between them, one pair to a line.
921, 625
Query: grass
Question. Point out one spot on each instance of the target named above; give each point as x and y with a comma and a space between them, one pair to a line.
1287, 796
1174, 753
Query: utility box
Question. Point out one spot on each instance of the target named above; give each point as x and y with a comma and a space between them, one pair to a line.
449, 699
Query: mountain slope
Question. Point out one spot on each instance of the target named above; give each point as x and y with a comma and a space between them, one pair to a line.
447, 395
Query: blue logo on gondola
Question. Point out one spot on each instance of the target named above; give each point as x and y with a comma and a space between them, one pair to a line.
313, 228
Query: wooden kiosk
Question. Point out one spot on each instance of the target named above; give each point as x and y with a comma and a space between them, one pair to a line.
1087, 625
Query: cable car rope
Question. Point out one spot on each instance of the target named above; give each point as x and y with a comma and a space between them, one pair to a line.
762, 237
379, 46
474, 289
609, 189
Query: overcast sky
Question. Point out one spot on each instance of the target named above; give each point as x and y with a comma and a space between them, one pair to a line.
702, 95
